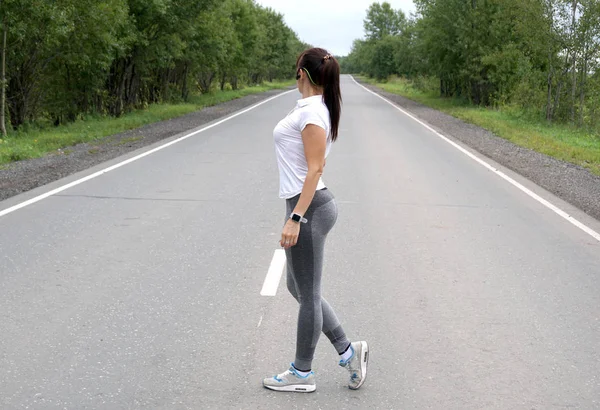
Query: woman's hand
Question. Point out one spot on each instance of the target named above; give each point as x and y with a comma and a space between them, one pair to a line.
289, 236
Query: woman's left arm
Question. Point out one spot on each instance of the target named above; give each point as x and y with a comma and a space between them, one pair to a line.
315, 145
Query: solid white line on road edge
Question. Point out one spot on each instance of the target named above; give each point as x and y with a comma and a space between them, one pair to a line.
501, 174
130, 160
274, 274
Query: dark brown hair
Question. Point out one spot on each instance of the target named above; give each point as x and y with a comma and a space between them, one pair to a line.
324, 71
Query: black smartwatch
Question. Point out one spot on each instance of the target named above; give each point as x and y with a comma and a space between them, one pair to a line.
298, 218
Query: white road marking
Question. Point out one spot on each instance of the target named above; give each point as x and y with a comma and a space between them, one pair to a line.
130, 160
274, 274
501, 174
259, 322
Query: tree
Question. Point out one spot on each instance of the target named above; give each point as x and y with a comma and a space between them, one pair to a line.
34, 41
588, 44
3, 77
384, 57
76, 77
540, 55
244, 19
360, 58
382, 21
278, 58
66, 58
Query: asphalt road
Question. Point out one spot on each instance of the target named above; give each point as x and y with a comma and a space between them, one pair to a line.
140, 288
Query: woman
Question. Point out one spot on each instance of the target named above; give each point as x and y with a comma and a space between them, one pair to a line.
303, 140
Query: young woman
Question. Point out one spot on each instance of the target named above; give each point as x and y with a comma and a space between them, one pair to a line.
303, 140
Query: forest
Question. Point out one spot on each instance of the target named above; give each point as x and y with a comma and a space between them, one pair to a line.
542, 56
64, 59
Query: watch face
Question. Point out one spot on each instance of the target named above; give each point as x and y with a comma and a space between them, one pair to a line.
296, 218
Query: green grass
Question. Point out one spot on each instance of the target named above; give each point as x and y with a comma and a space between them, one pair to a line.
36, 141
575, 145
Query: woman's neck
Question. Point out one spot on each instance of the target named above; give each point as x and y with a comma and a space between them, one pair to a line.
311, 92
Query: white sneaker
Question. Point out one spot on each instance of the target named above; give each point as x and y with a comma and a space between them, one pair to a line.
291, 381
357, 364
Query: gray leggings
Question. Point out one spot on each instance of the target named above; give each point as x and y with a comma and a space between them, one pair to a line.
304, 268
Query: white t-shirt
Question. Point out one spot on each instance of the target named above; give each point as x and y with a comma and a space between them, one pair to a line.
290, 148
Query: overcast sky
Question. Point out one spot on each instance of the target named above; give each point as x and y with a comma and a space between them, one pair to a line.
331, 24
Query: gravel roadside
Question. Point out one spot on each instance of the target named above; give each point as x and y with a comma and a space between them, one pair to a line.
569, 182
25, 175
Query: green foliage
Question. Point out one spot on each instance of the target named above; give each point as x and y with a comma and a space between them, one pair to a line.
384, 57
383, 21
70, 58
539, 55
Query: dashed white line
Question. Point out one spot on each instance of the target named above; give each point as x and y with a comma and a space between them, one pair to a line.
501, 174
130, 160
274, 274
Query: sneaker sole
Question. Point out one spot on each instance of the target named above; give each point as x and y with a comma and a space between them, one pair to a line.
296, 388
364, 362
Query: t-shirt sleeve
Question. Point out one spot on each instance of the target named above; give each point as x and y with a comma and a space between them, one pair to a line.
311, 117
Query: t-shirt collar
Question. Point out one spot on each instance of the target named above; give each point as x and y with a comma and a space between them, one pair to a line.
310, 100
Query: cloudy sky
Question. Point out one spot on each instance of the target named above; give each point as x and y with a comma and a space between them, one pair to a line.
331, 24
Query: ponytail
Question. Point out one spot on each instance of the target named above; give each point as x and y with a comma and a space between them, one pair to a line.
332, 95
325, 68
